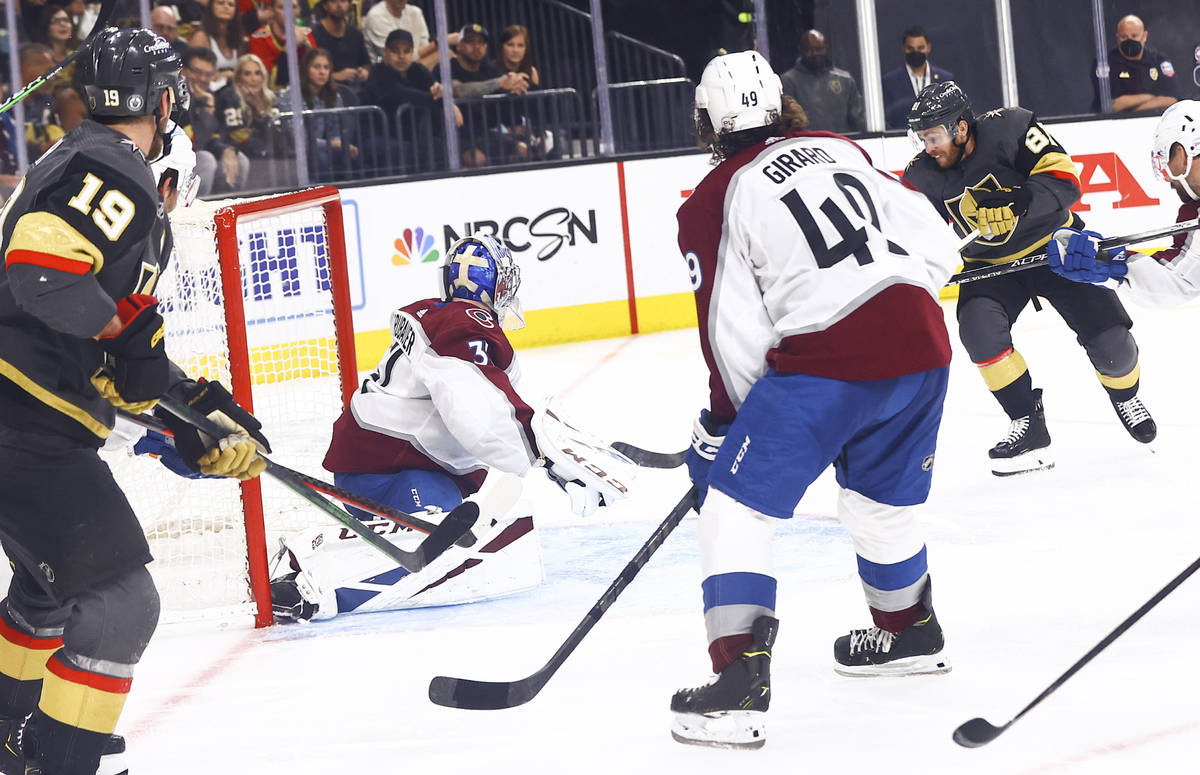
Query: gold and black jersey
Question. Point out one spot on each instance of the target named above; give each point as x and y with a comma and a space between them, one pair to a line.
1011, 149
83, 228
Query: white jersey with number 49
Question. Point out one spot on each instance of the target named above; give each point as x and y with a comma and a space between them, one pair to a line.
805, 258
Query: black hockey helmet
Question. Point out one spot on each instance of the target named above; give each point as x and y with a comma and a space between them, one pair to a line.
940, 104
127, 71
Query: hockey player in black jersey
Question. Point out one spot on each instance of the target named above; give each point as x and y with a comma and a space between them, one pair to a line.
84, 238
1006, 176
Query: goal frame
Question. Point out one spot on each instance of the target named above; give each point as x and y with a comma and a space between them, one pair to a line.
225, 221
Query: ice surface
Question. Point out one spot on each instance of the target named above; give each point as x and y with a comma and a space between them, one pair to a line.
1030, 573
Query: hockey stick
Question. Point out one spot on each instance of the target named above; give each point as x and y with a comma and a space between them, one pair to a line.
106, 11
332, 490
495, 695
647, 459
1039, 259
456, 523
978, 732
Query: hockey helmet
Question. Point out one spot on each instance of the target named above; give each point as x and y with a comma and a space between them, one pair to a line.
1180, 124
941, 104
481, 268
739, 91
126, 72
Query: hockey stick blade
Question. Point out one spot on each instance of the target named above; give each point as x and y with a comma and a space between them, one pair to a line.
325, 488
469, 694
977, 732
647, 459
458, 521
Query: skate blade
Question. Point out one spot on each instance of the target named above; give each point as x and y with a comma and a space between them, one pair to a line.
740, 729
1025, 463
932, 664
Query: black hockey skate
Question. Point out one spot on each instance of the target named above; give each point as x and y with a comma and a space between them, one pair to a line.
1136, 419
288, 603
1027, 445
727, 712
13, 750
875, 652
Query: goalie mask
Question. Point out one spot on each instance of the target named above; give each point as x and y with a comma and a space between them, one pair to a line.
739, 91
934, 116
1180, 124
480, 268
178, 161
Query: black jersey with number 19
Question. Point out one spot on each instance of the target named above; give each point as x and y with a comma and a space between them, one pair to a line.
83, 228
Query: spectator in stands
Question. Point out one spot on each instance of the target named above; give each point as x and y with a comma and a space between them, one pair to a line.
328, 153
58, 33
253, 14
221, 32
164, 20
902, 85
516, 54
398, 15
829, 95
217, 164
69, 107
1139, 77
399, 80
344, 42
84, 15
42, 126
519, 137
473, 74
247, 114
268, 43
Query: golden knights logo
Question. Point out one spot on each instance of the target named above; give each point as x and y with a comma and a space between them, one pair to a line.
963, 210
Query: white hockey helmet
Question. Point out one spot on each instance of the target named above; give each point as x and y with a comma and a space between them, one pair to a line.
739, 91
1180, 123
182, 159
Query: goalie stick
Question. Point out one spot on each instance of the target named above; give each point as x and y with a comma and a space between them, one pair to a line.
979, 732
101, 25
495, 695
1039, 259
455, 524
345, 496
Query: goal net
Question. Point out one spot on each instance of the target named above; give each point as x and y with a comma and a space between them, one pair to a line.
256, 297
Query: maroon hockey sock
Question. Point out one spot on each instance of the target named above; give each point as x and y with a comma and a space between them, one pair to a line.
725, 650
896, 622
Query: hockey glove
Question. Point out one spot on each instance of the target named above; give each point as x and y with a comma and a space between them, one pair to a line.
235, 455
138, 371
999, 209
585, 500
159, 446
707, 437
1076, 255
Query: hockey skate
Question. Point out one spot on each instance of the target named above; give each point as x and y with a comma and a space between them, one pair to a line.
1136, 419
12, 752
727, 712
914, 651
1026, 447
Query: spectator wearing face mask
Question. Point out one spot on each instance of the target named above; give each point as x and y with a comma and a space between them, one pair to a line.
1139, 77
829, 95
902, 85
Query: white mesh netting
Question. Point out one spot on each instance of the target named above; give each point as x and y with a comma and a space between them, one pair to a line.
195, 527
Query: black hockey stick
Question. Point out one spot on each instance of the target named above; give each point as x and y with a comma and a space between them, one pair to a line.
647, 459
102, 18
494, 695
978, 732
1039, 259
456, 523
332, 490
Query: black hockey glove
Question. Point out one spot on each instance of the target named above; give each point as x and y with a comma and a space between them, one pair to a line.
138, 371
235, 455
998, 209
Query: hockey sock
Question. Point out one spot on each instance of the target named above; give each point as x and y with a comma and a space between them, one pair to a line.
726, 650
1121, 389
23, 658
897, 622
77, 712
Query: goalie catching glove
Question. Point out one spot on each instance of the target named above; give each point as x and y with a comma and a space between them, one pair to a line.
138, 371
999, 209
235, 455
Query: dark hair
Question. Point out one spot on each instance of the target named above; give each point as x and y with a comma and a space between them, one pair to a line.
233, 37
915, 31
327, 94
48, 12
526, 63
792, 118
199, 52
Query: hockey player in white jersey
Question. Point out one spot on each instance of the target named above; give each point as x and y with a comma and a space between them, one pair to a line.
816, 279
1168, 277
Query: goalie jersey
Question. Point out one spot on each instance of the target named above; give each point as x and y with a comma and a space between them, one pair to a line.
451, 406
804, 258
83, 228
1011, 149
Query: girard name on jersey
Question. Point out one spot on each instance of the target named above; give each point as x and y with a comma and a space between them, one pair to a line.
782, 166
